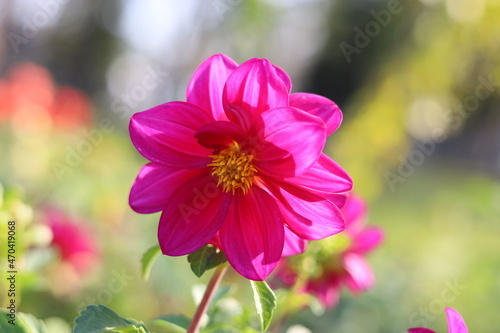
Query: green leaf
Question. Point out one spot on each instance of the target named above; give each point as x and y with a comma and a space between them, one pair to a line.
148, 259
99, 319
201, 259
219, 258
22, 323
126, 329
34, 324
137, 323
265, 301
174, 323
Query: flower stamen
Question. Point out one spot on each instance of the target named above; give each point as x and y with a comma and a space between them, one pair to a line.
233, 168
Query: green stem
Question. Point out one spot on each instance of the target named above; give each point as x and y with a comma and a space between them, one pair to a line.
194, 326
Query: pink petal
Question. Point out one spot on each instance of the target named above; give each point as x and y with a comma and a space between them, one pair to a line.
287, 142
256, 86
241, 116
206, 85
283, 276
367, 240
75, 243
165, 134
215, 241
309, 216
327, 290
420, 330
360, 276
218, 134
355, 211
456, 323
284, 77
330, 297
293, 244
192, 216
319, 106
155, 184
325, 178
253, 234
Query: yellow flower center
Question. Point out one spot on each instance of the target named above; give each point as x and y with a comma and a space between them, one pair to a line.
233, 168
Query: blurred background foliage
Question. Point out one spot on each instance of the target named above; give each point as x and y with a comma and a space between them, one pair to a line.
419, 85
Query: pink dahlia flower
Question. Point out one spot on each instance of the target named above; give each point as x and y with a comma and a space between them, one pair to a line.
74, 243
341, 261
456, 324
240, 165
78, 254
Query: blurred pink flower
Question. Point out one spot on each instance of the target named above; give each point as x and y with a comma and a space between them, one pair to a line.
239, 165
456, 324
29, 95
348, 267
74, 243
